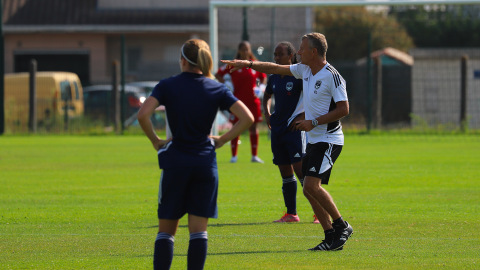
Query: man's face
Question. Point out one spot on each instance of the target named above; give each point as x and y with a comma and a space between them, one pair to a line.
306, 54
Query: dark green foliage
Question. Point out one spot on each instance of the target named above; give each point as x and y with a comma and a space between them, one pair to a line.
347, 28
441, 26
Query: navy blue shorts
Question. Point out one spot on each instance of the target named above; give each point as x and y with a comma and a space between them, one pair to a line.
191, 190
288, 148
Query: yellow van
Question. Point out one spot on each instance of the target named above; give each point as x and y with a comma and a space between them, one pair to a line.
53, 88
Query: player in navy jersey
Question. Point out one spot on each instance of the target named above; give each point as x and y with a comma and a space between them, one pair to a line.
189, 180
288, 144
325, 102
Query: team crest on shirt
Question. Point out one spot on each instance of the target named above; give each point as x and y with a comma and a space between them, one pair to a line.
289, 86
318, 84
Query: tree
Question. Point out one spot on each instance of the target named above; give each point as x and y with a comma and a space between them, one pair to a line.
347, 28
441, 25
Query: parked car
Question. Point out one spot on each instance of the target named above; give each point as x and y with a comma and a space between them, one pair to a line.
99, 104
158, 118
145, 86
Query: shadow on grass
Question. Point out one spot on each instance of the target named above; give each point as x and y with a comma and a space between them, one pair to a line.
216, 225
248, 252
234, 253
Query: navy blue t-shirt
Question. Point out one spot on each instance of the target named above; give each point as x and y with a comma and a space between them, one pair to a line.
286, 92
191, 101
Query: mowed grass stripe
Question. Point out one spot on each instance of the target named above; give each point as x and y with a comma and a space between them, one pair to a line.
90, 202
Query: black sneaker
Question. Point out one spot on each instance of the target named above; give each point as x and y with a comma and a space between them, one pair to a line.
341, 237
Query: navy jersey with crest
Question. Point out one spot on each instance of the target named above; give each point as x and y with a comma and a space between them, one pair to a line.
191, 101
287, 92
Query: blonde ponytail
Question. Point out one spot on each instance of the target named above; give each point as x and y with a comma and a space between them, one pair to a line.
197, 53
205, 62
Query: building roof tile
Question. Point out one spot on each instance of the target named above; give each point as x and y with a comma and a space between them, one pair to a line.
85, 12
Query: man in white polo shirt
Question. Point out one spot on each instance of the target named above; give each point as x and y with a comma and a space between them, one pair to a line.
325, 101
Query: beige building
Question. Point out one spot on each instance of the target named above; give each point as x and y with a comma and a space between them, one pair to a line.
83, 36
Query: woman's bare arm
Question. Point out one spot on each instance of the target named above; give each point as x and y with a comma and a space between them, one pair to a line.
143, 117
245, 120
267, 103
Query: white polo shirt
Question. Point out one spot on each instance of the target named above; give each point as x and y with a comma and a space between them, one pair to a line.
321, 92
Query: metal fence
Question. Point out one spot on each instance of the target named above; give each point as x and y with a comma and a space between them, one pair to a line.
392, 81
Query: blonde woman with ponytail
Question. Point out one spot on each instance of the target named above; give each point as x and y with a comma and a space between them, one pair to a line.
189, 179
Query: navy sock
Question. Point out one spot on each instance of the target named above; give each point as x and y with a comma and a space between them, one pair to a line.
197, 251
163, 254
289, 189
339, 223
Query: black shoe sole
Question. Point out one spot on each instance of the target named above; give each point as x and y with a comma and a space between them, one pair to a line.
315, 250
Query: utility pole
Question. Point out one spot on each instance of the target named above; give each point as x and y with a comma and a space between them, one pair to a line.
245, 25
369, 83
116, 95
272, 34
378, 112
2, 73
32, 98
463, 94
123, 100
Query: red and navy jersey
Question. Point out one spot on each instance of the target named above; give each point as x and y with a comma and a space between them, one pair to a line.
191, 102
287, 92
244, 80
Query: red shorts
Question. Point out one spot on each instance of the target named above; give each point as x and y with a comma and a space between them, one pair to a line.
254, 108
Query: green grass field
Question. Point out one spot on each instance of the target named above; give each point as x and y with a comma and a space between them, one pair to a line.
90, 203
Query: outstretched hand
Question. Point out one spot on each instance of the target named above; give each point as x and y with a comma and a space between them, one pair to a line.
236, 64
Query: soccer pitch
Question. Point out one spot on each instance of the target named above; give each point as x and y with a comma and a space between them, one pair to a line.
90, 203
